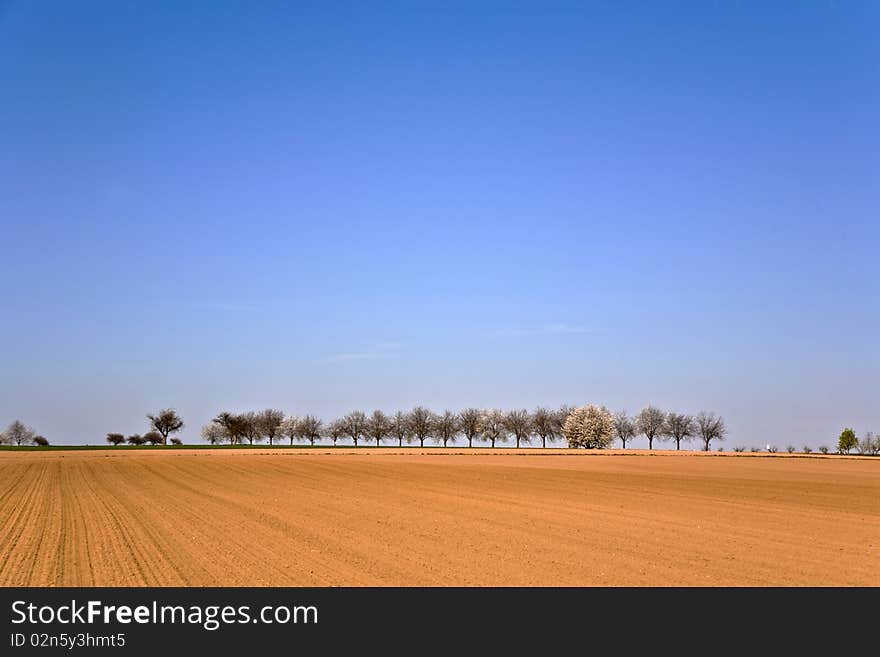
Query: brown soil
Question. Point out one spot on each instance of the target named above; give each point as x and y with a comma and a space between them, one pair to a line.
435, 517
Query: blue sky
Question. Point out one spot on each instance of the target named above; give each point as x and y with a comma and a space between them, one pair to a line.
328, 206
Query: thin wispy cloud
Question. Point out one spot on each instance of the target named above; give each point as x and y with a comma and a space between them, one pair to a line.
377, 351
538, 331
225, 306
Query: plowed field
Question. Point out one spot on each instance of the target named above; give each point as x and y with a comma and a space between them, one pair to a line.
434, 517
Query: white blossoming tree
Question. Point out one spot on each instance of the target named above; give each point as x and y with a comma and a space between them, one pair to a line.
589, 426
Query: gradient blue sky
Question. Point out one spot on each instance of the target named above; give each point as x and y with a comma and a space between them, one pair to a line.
328, 206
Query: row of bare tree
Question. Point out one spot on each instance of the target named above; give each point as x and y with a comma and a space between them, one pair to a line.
162, 425
589, 426
18, 433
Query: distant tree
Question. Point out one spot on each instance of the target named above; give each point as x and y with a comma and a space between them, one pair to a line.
807, 449
544, 425
469, 423
651, 421
790, 449
309, 428
739, 448
847, 441
136, 439
867, 445
519, 425
422, 424
710, 427
19, 434
115, 438
335, 430
446, 427
214, 434
680, 427
355, 424
823, 449
166, 422
288, 427
268, 423
233, 425
624, 427
41, 441
589, 426
176, 441
250, 427
153, 438
772, 449
377, 426
492, 427
400, 427
561, 416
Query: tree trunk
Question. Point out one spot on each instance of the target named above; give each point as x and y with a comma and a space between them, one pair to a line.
421, 442
470, 441
678, 444
400, 441
650, 442
543, 442
517, 442
493, 443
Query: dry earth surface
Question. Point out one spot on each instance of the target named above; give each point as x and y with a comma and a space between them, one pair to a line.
433, 517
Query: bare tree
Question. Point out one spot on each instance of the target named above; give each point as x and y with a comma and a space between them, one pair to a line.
561, 416
519, 425
19, 434
136, 439
233, 425
213, 434
377, 426
288, 427
250, 427
651, 421
492, 427
269, 423
710, 427
867, 445
115, 438
446, 427
421, 424
166, 422
309, 428
545, 425
400, 427
153, 438
589, 426
40, 441
469, 422
355, 424
335, 430
624, 427
680, 427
